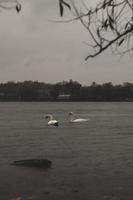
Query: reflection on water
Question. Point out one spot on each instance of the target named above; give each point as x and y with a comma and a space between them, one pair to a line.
91, 160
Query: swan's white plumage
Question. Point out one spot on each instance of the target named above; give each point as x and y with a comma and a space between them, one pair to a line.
76, 120
80, 120
52, 121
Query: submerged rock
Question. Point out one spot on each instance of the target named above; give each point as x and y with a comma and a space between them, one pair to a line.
39, 163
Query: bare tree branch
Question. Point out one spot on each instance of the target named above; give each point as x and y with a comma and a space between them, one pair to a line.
109, 23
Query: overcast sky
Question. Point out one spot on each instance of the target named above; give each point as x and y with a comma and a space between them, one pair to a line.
33, 48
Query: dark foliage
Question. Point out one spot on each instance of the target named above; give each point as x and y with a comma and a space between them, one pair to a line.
38, 91
10, 4
61, 5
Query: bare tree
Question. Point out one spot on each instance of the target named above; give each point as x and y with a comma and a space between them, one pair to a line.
109, 23
10, 4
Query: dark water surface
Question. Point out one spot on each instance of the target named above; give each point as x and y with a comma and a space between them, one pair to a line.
91, 160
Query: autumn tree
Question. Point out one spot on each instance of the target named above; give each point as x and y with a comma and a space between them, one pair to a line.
109, 23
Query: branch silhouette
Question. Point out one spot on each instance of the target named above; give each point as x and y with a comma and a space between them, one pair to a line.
109, 24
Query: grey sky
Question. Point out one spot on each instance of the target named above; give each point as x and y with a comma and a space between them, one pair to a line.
33, 48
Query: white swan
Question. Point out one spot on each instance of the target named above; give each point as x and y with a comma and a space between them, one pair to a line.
76, 120
51, 122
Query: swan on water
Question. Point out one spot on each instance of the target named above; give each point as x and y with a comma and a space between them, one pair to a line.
71, 115
51, 122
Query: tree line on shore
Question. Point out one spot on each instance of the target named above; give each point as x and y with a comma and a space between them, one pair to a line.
65, 91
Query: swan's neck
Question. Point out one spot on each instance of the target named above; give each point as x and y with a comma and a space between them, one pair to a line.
50, 117
71, 118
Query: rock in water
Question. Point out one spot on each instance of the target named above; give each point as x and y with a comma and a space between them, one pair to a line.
39, 163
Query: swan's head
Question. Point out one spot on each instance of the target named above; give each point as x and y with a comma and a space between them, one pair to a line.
46, 117
70, 113
49, 117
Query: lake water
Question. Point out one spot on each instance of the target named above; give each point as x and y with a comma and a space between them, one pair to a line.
90, 161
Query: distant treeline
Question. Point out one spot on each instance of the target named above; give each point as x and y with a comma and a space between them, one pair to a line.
65, 91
